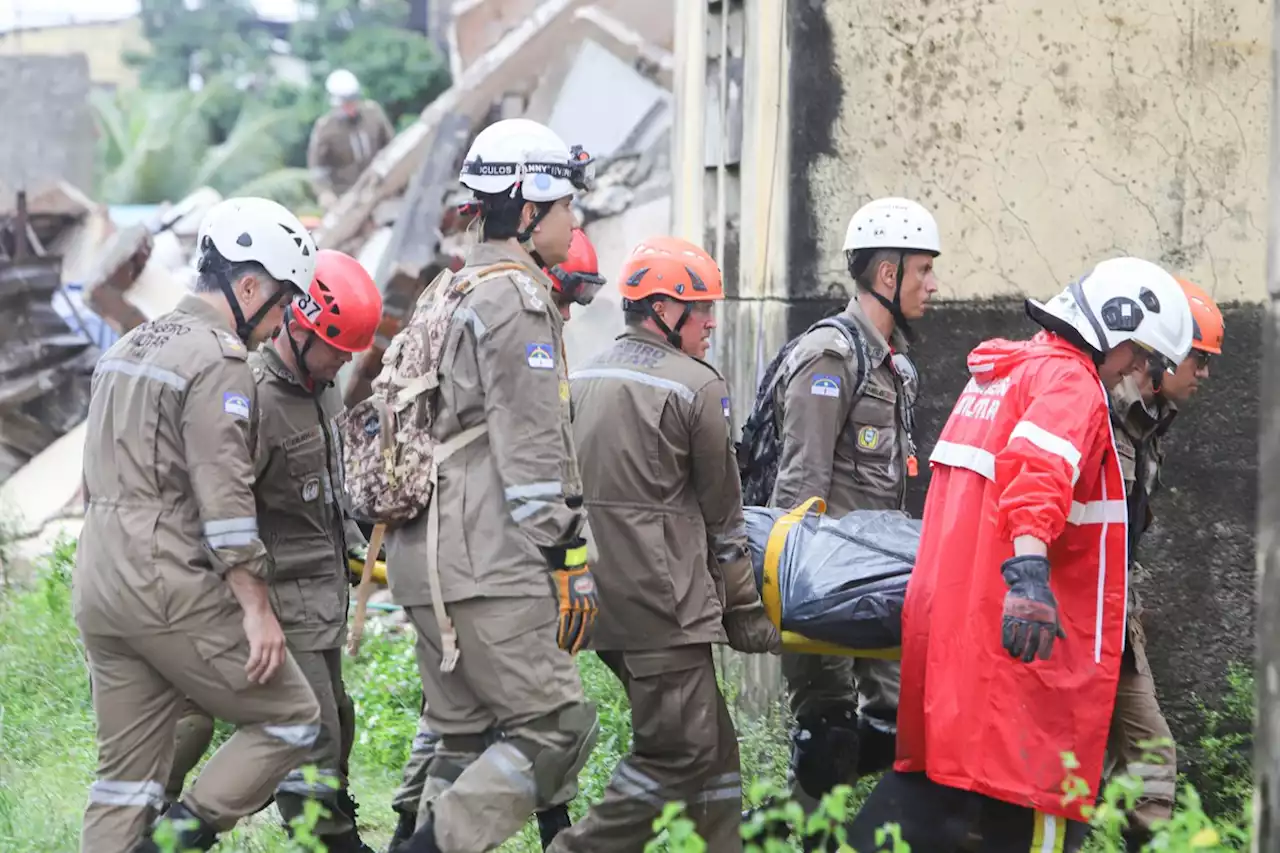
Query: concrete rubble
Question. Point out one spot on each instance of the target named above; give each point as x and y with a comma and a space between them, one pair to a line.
599, 74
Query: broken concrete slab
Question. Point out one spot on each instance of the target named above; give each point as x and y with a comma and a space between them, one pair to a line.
46, 486
517, 59
120, 263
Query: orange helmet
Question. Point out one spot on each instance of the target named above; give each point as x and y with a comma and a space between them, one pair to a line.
343, 306
671, 267
1207, 326
577, 279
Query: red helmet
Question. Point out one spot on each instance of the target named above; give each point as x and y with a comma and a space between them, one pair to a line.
343, 306
578, 278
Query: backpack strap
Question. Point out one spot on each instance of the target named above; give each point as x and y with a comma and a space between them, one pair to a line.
857, 344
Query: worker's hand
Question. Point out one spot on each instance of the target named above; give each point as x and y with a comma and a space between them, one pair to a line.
266, 644
749, 630
576, 590
1030, 618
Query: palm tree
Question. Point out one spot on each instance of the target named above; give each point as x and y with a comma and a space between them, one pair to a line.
156, 146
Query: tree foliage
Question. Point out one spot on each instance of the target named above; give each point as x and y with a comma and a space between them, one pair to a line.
217, 37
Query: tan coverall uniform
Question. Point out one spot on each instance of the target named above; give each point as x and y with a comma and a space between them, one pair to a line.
1137, 718
662, 493
514, 724
340, 147
168, 474
852, 453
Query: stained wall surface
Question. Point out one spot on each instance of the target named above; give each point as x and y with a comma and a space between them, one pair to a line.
1045, 136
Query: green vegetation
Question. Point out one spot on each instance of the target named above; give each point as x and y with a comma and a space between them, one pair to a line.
47, 751
245, 131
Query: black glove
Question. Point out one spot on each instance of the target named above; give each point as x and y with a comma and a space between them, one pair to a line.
1030, 619
824, 748
576, 588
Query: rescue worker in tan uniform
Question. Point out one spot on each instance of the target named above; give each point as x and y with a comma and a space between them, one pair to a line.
302, 519
1143, 406
514, 724
575, 281
652, 427
169, 589
345, 140
856, 451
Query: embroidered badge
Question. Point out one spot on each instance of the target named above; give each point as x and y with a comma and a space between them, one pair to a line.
539, 356
232, 342
564, 391
724, 406
311, 489
868, 438
825, 385
235, 404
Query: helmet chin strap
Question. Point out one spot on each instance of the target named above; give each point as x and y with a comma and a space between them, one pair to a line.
672, 335
525, 237
300, 356
894, 306
244, 328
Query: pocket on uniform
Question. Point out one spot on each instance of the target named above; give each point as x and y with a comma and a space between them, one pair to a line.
515, 659
227, 654
671, 701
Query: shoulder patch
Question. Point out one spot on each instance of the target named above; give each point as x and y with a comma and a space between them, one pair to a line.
236, 405
540, 356
825, 385
724, 405
231, 346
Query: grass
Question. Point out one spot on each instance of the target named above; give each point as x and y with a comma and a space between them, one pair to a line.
47, 752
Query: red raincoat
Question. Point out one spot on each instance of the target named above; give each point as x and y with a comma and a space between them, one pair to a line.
1027, 450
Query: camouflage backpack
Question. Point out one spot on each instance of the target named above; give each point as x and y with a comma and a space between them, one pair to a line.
389, 453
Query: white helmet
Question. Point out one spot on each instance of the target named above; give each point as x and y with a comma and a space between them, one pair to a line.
521, 153
1119, 300
893, 223
262, 231
342, 85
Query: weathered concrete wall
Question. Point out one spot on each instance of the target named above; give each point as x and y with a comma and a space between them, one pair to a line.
1198, 587
1044, 136
48, 129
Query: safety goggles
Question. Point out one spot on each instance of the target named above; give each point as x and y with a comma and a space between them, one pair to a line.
1202, 358
579, 287
580, 170
1155, 358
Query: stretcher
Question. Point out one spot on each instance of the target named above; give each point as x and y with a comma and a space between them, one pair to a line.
834, 586
356, 567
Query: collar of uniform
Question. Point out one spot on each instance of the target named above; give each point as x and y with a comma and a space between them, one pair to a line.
1140, 420
274, 364
482, 254
653, 338
198, 308
877, 347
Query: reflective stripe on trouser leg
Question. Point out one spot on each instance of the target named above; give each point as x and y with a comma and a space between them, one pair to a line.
136, 710
415, 770
490, 801
1049, 834
670, 759
323, 671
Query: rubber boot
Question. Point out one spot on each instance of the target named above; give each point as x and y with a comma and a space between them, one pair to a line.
347, 842
876, 748
551, 822
423, 840
404, 829
201, 836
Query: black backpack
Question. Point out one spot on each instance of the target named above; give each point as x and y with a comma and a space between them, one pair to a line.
761, 445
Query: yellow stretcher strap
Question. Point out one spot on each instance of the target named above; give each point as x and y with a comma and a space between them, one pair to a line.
356, 568
771, 593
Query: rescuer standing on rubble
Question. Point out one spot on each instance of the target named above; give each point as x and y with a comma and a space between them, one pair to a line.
301, 512
345, 140
514, 725
662, 493
169, 587
1143, 406
855, 451
1014, 618
574, 281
